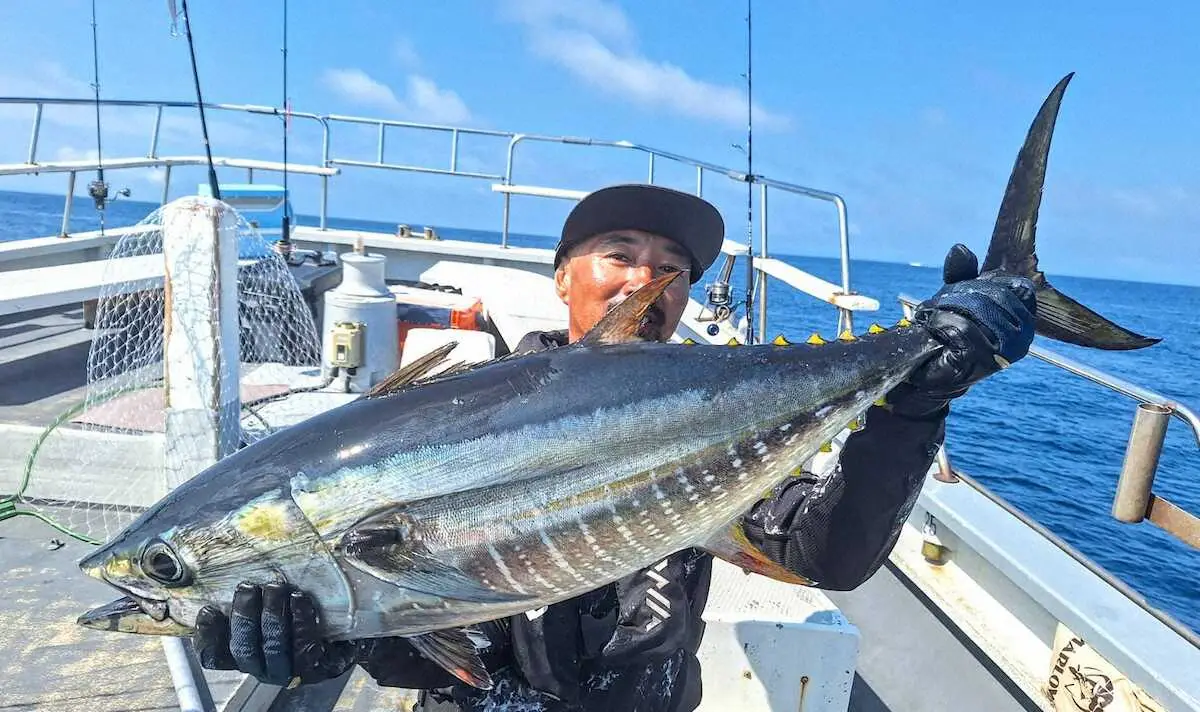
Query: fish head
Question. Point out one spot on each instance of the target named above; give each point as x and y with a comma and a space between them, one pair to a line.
152, 569
172, 564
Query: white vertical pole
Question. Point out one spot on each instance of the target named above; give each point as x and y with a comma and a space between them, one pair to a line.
201, 341
200, 363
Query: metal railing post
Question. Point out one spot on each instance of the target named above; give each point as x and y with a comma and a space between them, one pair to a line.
70, 199
325, 140
762, 252
154, 135
844, 239
33, 139
1146, 437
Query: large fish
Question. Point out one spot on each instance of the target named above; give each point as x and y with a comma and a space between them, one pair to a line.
431, 505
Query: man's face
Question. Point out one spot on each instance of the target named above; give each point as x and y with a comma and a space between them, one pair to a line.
602, 271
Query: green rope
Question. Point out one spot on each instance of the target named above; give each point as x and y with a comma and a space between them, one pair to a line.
8, 510
8, 504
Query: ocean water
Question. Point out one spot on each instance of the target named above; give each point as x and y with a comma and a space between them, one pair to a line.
1048, 442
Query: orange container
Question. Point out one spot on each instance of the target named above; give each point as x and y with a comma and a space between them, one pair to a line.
430, 309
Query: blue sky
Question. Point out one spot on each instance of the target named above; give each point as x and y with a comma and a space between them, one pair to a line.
912, 111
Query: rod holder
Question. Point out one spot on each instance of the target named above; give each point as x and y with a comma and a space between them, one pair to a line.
1141, 461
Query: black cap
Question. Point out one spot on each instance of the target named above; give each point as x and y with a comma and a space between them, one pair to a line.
686, 219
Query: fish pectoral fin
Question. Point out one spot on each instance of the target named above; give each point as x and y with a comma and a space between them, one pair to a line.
457, 651
623, 322
732, 545
382, 553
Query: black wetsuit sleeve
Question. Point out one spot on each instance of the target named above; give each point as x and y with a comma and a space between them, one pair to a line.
837, 530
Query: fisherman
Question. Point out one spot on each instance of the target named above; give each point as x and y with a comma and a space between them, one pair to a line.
631, 645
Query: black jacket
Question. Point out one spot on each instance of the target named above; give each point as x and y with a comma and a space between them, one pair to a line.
632, 645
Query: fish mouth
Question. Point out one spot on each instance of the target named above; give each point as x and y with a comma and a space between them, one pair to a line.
130, 614
130, 604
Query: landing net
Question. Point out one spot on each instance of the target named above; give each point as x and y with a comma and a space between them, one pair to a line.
102, 462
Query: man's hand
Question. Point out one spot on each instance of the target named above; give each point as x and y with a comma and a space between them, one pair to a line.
984, 321
273, 636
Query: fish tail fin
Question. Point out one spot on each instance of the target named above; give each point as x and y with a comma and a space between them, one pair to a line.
1013, 245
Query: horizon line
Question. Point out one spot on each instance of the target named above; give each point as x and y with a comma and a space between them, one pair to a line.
552, 239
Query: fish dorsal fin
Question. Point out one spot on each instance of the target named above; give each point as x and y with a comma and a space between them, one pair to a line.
407, 375
621, 324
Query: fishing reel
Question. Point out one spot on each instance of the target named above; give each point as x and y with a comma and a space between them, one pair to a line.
720, 298
98, 192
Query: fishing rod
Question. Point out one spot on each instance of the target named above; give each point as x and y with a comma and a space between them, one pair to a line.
284, 245
97, 189
749, 178
720, 291
212, 171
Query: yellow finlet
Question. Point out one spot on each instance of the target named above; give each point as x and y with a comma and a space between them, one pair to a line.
827, 446
780, 341
689, 341
846, 336
875, 329
816, 339
904, 322
855, 425
733, 342
882, 403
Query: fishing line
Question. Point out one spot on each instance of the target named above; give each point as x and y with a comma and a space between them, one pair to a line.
212, 171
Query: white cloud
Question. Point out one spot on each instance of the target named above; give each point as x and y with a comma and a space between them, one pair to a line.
357, 86
70, 153
423, 99
42, 78
179, 130
594, 40
438, 105
405, 52
597, 17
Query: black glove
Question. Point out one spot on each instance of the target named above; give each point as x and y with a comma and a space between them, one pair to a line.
273, 636
984, 321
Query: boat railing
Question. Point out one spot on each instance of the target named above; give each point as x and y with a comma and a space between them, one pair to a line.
840, 295
1134, 500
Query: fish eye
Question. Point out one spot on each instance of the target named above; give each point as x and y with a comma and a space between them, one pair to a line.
162, 564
